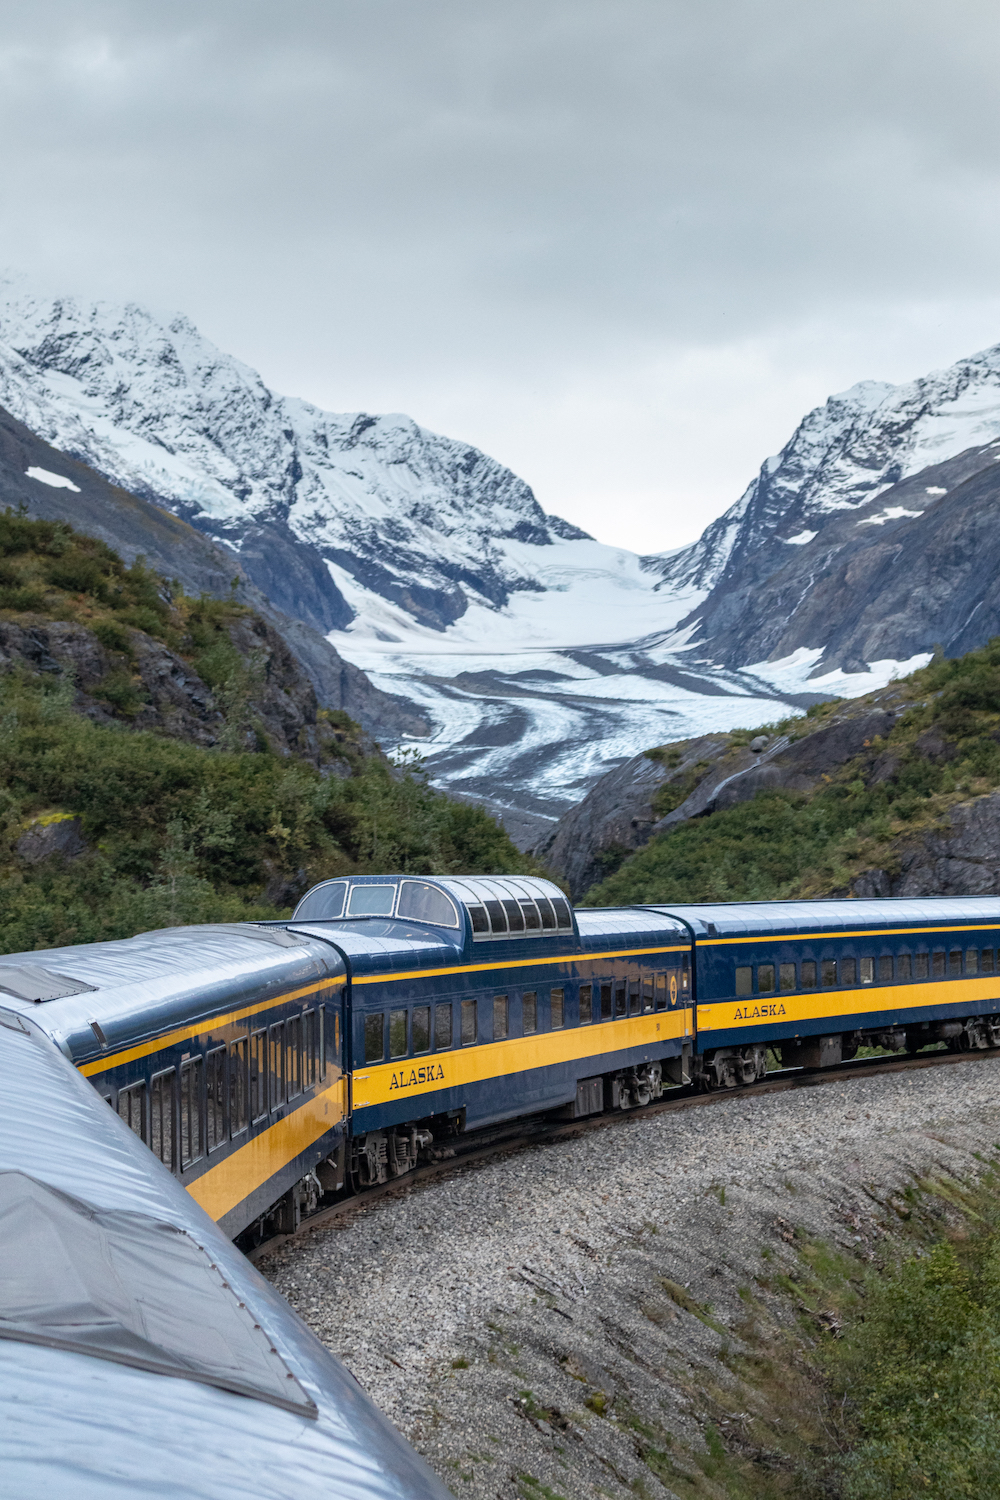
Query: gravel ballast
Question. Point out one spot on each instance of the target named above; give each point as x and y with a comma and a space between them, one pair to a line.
538, 1326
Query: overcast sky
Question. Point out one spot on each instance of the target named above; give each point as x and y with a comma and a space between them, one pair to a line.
622, 245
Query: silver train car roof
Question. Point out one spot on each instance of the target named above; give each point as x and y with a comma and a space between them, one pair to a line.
253, 1407
772, 918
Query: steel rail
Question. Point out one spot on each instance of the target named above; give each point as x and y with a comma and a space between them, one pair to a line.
479, 1147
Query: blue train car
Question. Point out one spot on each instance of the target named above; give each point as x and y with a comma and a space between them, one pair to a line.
817, 979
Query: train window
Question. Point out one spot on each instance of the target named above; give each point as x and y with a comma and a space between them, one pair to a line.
986, 960
374, 1039
324, 903
425, 903
546, 912
397, 1033
564, 916
685, 974
277, 1064
765, 978
972, 960
786, 976
515, 916
605, 1002
744, 980
371, 900
955, 961
848, 971
647, 992
293, 1057
161, 1111
191, 1148
621, 998
499, 1017
586, 1004
867, 970
311, 1048
885, 968
215, 1098
634, 999
239, 1090
529, 1012
442, 1026
422, 1028
258, 1075
468, 1022
661, 991
904, 966
532, 921
558, 1008
807, 974
828, 972
937, 964
498, 920
477, 916
132, 1108
921, 965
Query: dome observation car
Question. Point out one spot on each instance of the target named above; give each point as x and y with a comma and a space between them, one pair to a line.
498, 906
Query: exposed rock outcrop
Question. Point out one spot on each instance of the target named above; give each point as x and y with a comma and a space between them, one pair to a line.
961, 858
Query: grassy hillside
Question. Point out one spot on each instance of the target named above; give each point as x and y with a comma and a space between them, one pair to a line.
944, 749
171, 831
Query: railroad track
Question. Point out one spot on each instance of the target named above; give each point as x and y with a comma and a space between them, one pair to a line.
482, 1146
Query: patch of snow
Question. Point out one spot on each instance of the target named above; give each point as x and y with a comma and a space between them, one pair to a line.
56, 481
935, 489
891, 513
792, 674
801, 539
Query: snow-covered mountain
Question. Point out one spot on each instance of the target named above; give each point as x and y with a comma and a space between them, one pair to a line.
540, 656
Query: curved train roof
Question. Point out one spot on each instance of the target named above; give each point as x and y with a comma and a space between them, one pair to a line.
146, 984
254, 1407
763, 918
627, 926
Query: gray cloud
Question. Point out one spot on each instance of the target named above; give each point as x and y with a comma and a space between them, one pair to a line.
622, 246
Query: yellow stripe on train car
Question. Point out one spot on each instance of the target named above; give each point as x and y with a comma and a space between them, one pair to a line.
766, 1010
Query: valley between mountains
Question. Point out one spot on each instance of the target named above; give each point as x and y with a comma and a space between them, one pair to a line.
426, 592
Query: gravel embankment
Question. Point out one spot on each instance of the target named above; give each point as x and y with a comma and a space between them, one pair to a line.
513, 1322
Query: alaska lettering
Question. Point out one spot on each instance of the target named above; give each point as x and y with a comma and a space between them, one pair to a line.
758, 1012
432, 1073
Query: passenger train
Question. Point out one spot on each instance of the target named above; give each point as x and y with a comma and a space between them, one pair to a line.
268, 1065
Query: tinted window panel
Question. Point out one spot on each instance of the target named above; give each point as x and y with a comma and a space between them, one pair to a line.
867, 970
258, 1075
161, 1111
498, 920
904, 966
828, 972
848, 971
605, 1002
986, 960
278, 1065
477, 916
468, 1022
442, 1025
972, 961
191, 1147
563, 915
515, 916
685, 975
425, 903
885, 968
215, 1098
921, 965
499, 1017
239, 1085
132, 1108
422, 1028
558, 1003
744, 980
807, 974
765, 978
324, 904
621, 998
661, 992
937, 964
371, 900
586, 1004
532, 921
374, 1038
546, 913
955, 961
529, 1012
293, 1056
786, 976
634, 1001
397, 1033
